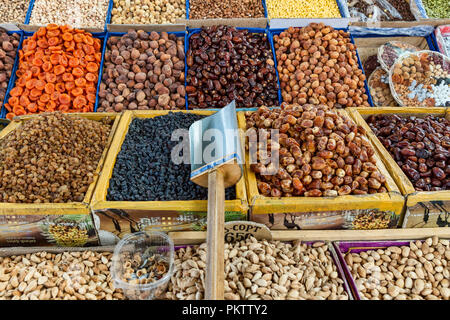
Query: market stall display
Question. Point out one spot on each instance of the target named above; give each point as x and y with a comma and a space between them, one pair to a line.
329, 175
157, 193
397, 270
202, 9
8, 51
58, 71
380, 10
147, 11
225, 64
427, 200
302, 9
318, 64
389, 52
76, 13
143, 71
14, 11
275, 271
421, 79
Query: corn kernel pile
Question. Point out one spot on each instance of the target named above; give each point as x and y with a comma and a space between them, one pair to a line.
302, 9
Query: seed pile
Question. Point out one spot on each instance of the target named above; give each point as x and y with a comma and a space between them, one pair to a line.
226, 64
421, 147
76, 13
143, 71
62, 276
147, 11
14, 11
8, 50
144, 170
203, 9
58, 70
261, 270
437, 9
420, 271
302, 9
321, 153
51, 158
318, 64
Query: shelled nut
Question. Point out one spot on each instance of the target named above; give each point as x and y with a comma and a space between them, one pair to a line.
318, 64
415, 272
147, 11
14, 11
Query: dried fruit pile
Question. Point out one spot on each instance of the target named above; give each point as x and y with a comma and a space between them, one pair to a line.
261, 270
318, 64
8, 50
144, 170
143, 71
421, 147
226, 64
321, 153
58, 71
51, 158
415, 272
62, 276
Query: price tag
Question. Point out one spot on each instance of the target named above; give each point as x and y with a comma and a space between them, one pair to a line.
241, 230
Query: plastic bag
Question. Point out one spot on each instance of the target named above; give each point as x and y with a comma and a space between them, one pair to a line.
421, 79
442, 34
418, 10
390, 51
373, 10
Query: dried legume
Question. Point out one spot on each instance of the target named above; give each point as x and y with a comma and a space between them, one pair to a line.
302, 9
147, 11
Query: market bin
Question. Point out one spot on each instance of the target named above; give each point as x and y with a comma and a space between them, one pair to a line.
341, 212
370, 279
23, 224
122, 217
424, 209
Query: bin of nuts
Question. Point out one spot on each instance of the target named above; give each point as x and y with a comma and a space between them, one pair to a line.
379, 88
415, 143
397, 270
328, 174
57, 274
76, 13
225, 64
14, 11
147, 11
318, 64
421, 79
263, 270
9, 42
50, 80
146, 187
143, 71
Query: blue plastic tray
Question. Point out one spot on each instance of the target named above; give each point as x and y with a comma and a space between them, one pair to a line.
252, 30
12, 81
30, 8
278, 31
179, 34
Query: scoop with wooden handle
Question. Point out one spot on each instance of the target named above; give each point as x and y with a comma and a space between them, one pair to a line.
215, 153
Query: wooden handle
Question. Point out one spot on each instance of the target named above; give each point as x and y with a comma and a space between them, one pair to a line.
215, 269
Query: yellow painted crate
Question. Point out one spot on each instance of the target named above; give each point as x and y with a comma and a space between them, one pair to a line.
123, 217
424, 209
341, 212
23, 224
